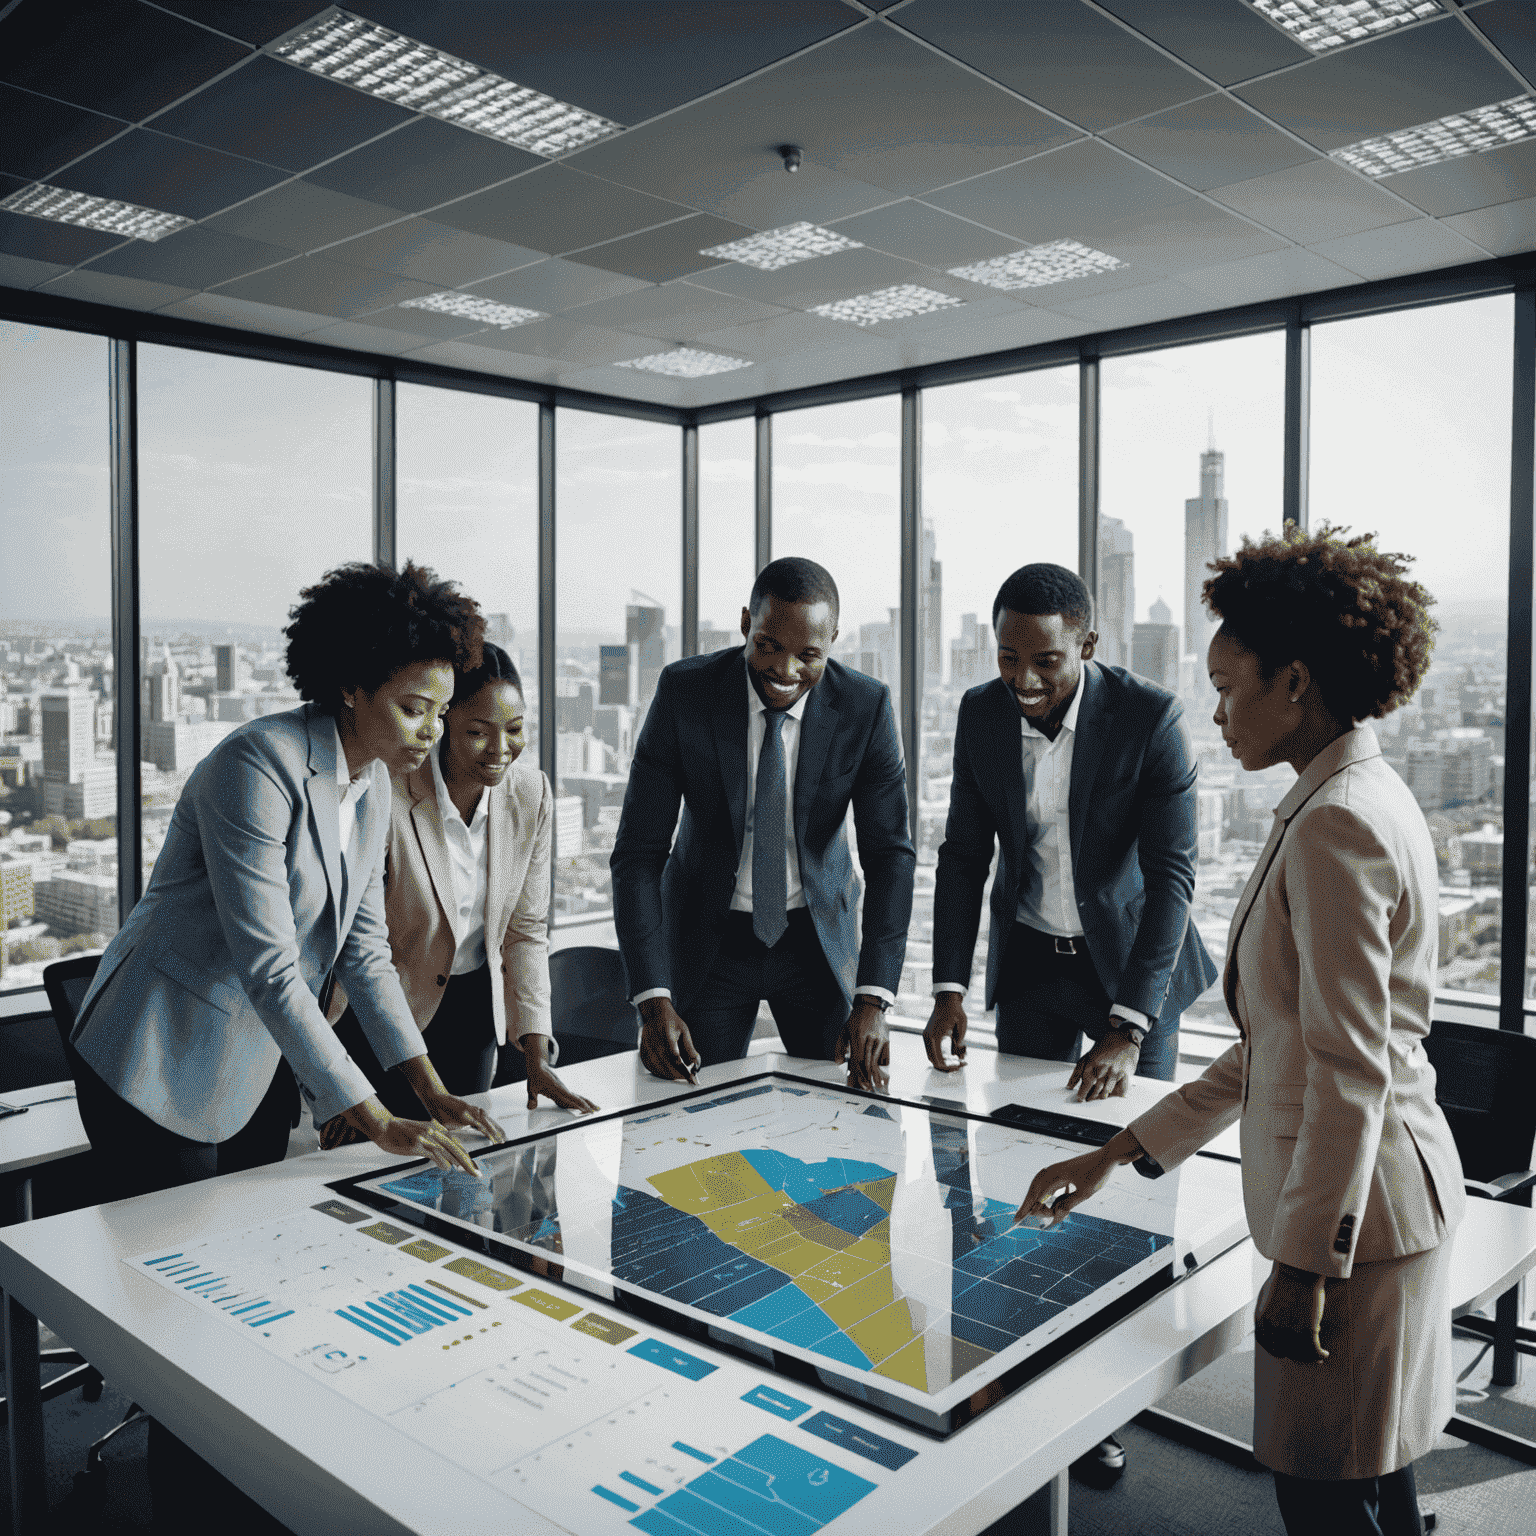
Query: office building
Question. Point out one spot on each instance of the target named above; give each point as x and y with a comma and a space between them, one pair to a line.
1116, 614
618, 675
931, 596
1155, 648
226, 668
645, 630
69, 735
162, 689
1205, 539
972, 658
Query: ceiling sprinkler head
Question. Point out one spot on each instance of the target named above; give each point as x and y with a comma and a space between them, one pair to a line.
792, 157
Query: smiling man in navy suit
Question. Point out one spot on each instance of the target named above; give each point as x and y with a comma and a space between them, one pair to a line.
764, 748
1094, 813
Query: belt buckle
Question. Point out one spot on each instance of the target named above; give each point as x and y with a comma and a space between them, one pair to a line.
1065, 946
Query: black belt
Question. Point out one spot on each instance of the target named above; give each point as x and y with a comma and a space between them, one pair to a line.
1032, 942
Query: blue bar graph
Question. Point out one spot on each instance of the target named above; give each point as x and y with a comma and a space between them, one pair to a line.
397, 1317
639, 1482
613, 1498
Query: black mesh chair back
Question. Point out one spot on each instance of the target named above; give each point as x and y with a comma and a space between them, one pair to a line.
66, 982
1487, 1088
592, 1013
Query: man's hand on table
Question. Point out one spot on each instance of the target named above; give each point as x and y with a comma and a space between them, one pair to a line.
1106, 1071
865, 1044
946, 1022
666, 1047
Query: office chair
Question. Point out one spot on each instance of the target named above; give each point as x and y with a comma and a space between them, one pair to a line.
66, 983
1487, 1088
592, 1013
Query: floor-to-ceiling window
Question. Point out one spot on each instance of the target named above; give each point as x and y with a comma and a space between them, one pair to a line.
1191, 460
58, 781
467, 506
1000, 477
618, 606
727, 530
1410, 441
254, 480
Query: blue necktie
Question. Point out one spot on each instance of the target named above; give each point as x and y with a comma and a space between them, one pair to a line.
769, 895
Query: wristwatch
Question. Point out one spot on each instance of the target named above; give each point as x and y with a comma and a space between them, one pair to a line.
1132, 1032
873, 1002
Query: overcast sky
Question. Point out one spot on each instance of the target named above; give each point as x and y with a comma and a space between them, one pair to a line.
255, 477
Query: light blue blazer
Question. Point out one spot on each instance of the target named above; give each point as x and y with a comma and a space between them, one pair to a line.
220, 966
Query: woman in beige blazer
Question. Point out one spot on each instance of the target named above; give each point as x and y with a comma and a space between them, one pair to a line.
466, 896
1351, 1180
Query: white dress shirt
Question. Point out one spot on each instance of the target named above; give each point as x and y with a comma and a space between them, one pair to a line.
349, 795
467, 866
741, 899
1047, 895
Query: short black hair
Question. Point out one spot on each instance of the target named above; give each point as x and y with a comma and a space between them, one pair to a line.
1043, 588
1340, 604
495, 667
361, 623
794, 579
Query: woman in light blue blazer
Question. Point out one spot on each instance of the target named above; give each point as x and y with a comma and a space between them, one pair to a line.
206, 1018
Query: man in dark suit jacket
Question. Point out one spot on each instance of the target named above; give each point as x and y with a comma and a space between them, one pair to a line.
1094, 814
765, 749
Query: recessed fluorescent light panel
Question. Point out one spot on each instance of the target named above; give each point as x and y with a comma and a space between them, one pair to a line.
1039, 266
1324, 24
777, 248
464, 306
685, 363
41, 201
898, 303
1447, 138
372, 59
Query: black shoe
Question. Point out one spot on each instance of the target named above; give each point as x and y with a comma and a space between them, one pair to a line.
1103, 1466
1430, 1519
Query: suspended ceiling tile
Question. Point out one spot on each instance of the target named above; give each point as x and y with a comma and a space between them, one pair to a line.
1064, 195
1209, 143
38, 135
821, 280
324, 287
155, 171
874, 111
433, 253
653, 388
1136, 306
802, 369
1418, 246
192, 258
301, 217
929, 236
625, 61
977, 305
785, 334
1398, 80
424, 324
1023, 328
43, 240
124, 292
1221, 38
112, 56
423, 164
554, 285
675, 312
1309, 203
1192, 233
255, 24
1505, 230
1064, 56
674, 250
1274, 275
567, 340
1503, 175
463, 354
19, 272
283, 115
557, 209
270, 319
366, 338
1510, 25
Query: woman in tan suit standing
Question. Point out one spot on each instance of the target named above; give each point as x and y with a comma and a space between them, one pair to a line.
1351, 1180
466, 896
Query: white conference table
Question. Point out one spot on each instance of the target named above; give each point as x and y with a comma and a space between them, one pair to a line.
47, 1132
321, 1463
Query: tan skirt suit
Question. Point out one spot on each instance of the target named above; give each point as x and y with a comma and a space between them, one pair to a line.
1349, 1169
421, 909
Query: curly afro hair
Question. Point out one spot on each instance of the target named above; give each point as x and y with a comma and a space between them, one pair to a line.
360, 624
1341, 605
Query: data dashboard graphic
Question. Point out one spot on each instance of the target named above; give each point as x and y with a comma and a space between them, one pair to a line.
871, 1241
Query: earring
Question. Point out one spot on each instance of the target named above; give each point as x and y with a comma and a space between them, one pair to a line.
1293, 698
349, 704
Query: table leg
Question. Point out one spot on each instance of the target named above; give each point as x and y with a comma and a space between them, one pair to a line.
24, 1420
1059, 1486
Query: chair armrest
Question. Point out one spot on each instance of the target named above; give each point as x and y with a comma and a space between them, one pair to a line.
1503, 1187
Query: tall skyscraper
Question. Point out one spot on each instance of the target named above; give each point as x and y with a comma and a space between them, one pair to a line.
1155, 648
972, 659
931, 596
69, 730
1117, 592
645, 629
226, 668
1205, 539
162, 688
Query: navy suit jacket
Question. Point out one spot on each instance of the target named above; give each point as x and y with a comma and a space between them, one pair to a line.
1132, 818
670, 899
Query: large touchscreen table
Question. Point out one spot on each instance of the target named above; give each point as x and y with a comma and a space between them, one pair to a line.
870, 1241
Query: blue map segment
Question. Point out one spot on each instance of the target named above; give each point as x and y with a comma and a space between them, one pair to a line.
807, 1182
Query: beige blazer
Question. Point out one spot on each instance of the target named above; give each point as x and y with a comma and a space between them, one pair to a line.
1330, 976
422, 914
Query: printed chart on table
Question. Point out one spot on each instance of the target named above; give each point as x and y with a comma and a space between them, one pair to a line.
872, 1241
570, 1411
